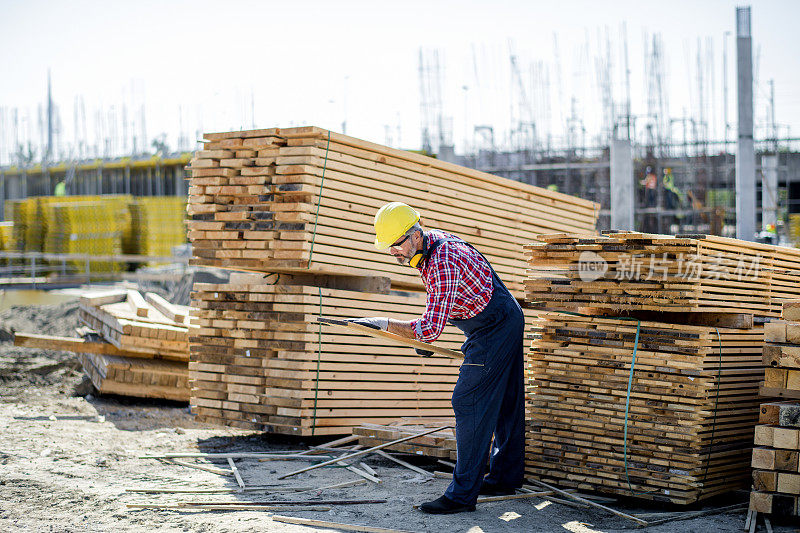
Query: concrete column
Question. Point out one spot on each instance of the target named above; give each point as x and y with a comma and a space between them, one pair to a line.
622, 185
769, 191
745, 152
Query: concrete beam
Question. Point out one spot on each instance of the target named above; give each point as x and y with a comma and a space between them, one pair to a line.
745, 151
769, 191
622, 185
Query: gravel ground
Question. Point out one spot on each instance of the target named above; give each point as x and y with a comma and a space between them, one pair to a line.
72, 475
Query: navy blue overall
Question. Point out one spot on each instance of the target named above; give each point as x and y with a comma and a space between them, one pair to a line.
489, 399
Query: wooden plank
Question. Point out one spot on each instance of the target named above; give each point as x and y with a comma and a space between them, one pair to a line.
172, 312
392, 337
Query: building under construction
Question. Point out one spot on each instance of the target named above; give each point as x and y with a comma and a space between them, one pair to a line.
677, 189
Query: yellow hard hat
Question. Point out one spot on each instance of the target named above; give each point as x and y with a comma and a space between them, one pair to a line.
391, 222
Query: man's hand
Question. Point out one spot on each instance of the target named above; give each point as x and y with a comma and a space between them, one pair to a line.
377, 322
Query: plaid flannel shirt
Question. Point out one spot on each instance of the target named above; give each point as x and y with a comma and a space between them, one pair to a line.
458, 282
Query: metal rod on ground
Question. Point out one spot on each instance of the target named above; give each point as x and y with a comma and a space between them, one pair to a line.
239, 507
222, 490
331, 444
694, 514
222, 456
291, 502
591, 503
364, 452
405, 464
488, 499
334, 525
213, 470
236, 474
336, 486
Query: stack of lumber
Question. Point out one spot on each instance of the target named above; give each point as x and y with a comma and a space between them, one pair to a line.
691, 410
259, 359
439, 445
258, 202
157, 225
643, 272
300, 203
116, 371
782, 354
776, 475
776, 471
148, 348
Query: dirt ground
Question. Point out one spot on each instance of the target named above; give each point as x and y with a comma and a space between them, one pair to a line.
72, 474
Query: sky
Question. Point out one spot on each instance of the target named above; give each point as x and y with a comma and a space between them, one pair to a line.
353, 66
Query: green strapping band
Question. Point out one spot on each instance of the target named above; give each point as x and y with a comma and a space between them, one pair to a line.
630, 387
310, 255
716, 404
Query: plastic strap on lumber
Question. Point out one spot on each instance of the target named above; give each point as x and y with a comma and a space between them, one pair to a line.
630, 386
310, 256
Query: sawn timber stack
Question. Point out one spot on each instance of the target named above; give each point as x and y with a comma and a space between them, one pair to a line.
259, 360
643, 272
693, 406
690, 377
258, 202
298, 204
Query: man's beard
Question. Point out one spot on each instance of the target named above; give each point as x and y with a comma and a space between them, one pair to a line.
406, 259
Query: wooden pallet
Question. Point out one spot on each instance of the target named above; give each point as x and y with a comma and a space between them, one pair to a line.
692, 408
257, 201
631, 272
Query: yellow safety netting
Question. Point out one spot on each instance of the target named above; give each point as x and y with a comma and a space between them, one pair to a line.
158, 224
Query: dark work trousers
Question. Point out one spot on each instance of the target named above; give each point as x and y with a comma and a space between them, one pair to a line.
490, 400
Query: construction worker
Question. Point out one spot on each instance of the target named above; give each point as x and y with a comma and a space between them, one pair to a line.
674, 192
488, 398
60, 189
650, 182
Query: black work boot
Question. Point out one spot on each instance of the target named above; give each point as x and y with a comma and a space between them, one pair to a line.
444, 505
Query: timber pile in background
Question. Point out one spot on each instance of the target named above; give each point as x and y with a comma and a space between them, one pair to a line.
642, 272
131, 345
154, 336
665, 328
259, 202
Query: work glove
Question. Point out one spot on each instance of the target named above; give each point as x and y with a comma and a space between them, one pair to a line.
423, 353
376, 322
